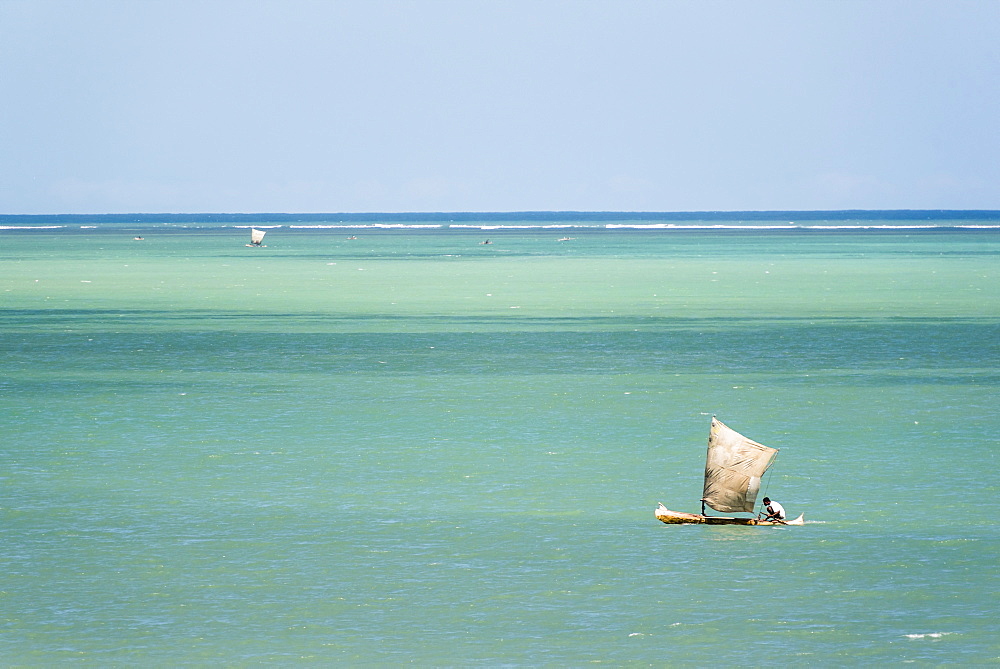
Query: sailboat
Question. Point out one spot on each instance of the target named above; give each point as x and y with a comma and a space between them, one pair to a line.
734, 466
256, 237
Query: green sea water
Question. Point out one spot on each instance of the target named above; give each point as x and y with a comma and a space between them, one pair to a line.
414, 448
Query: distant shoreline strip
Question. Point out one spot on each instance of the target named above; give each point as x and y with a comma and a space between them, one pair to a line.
498, 227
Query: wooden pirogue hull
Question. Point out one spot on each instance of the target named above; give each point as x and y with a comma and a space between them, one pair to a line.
680, 518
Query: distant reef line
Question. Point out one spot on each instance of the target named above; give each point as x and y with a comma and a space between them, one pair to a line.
554, 216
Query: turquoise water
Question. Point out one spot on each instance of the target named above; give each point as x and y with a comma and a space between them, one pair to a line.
414, 448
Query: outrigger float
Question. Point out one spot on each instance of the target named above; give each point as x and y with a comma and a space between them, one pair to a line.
734, 466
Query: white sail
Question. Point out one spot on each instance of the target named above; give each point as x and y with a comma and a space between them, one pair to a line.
733, 468
256, 236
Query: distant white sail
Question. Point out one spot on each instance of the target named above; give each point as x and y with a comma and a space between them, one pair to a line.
256, 236
733, 468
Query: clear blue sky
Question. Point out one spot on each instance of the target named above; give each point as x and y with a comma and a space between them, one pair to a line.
507, 105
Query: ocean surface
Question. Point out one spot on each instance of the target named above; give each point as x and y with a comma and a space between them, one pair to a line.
386, 442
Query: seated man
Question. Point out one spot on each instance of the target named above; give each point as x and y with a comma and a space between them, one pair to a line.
775, 511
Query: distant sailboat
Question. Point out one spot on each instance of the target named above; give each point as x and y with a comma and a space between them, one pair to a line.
256, 237
734, 466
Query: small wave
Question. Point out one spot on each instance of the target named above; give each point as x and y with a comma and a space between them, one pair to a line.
692, 226
928, 635
871, 227
901, 227
525, 226
498, 227
792, 226
368, 226
31, 227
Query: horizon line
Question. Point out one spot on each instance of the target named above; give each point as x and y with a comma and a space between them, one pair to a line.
542, 214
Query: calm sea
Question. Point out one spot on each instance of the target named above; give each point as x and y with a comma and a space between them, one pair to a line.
414, 447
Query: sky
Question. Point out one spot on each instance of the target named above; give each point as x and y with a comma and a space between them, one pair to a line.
192, 106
